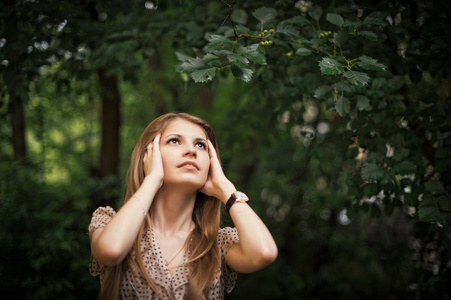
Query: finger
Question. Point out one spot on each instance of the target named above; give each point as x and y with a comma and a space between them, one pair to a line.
211, 148
156, 142
145, 162
149, 147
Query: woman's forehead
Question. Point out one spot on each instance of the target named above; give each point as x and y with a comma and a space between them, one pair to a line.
184, 128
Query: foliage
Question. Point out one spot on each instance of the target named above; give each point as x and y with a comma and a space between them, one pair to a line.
380, 117
44, 238
342, 42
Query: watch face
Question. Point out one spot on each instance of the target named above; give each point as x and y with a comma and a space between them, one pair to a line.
241, 196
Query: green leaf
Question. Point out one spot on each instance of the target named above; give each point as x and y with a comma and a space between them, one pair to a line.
301, 21
199, 70
357, 78
352, 25
405, 168
182, 56
335, 19
242, 29
209, 57
203, 75
370, 20
322, 90
239, 16
238, 60
244, 74
303, 51
193, 64
315, 12
428, 213
287, 30
373, 172
265, 15
341, 37
330, 66
434, 186
369, 63
368, 34
342, 105
428, 210
363, 103
253, 53
282, 45
444, 203
216, 39
401, 154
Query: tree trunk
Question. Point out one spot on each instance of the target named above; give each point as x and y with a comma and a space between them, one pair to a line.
16, 105
111, 122
18, 129
206, 97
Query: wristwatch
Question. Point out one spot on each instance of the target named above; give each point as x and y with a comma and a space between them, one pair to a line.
235, 197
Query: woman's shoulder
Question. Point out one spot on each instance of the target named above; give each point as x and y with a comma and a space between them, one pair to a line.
227, 235
227, 231
100, 217
104, 210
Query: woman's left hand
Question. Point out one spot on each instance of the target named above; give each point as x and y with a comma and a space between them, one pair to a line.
217, 185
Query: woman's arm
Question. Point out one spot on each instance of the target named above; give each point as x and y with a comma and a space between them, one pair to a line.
111, 244
257, 248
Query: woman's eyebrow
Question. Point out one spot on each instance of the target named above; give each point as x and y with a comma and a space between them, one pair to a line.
181, 136
173, 135
200, 140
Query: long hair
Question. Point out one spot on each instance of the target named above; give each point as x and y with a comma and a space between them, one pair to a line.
204, 261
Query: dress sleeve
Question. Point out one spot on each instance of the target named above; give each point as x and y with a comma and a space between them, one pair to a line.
227, 237
100, 218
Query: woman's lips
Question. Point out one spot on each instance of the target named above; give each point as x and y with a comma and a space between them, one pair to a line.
189, 165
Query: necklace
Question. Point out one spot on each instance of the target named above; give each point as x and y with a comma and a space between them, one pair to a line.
169, 262
178, 252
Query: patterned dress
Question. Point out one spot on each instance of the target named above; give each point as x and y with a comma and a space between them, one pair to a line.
173, 286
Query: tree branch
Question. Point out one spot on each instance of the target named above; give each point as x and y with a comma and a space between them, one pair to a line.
228, 16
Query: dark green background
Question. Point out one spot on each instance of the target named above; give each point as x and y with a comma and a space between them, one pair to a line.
80, 80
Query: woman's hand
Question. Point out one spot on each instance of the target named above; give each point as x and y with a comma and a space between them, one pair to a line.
217, 184
111, 244
153, 164
256, 248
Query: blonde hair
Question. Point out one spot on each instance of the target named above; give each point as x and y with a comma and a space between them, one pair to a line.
204, 260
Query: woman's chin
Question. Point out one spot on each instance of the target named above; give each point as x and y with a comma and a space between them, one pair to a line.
194, 185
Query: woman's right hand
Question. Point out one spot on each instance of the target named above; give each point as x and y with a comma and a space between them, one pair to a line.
153, 164
111, 244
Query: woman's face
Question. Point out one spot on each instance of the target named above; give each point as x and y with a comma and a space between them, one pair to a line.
184, 152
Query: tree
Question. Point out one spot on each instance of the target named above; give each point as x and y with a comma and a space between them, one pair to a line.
383, 106
379, 107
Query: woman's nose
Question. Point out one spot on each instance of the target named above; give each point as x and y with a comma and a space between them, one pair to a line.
191, 151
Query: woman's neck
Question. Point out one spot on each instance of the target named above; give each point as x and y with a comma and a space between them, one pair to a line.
172, 212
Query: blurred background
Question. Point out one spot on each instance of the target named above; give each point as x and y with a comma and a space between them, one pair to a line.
333, 116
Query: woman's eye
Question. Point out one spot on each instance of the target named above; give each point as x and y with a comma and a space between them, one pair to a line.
201, 145
173, 141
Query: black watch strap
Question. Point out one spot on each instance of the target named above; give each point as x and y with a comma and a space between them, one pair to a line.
232, 201
229, 204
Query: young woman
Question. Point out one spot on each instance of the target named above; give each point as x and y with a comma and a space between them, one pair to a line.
165, 241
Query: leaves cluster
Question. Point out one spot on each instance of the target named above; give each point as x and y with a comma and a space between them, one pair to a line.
240, 48
348, 44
